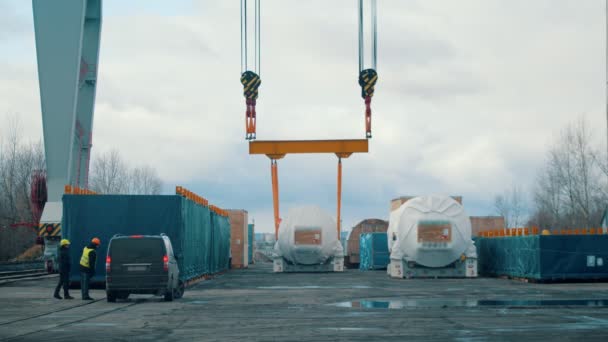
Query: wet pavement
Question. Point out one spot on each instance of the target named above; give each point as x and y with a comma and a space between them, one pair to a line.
444, 303
257, 305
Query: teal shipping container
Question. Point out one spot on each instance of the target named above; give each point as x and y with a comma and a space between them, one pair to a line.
373, 251
544, 257
200, 237
251, 241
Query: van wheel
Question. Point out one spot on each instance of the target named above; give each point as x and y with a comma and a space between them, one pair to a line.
122, 295
169, 295
179, 291
111, 296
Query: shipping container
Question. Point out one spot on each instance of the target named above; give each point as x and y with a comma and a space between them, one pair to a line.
365, 226
251, 242
544, 257
239, 236
200, 237
486, 223
374, 254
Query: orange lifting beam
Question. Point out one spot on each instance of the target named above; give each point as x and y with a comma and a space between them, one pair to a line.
274, 171
338, 219
277, 149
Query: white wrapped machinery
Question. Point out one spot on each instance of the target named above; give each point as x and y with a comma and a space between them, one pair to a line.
308, 242
431, 237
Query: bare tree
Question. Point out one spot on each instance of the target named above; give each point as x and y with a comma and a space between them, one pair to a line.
571, 188
18, 161
512, 206
110, 174
144, 180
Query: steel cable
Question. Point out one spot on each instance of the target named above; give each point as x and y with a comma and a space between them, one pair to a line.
243, 36
361, 47
374, 35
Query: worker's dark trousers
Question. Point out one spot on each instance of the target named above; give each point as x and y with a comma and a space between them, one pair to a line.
64, 280
84, 284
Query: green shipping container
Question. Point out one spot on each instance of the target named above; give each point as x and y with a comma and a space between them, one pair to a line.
544, 257
199, 236
251, 242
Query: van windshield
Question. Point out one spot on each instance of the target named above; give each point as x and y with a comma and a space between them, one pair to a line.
137, 250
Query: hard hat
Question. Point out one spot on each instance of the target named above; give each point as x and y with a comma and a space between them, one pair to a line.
64, 242
545, 232
96, 241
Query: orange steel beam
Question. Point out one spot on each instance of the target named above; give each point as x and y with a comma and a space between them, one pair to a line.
339, 223
274, 172
277, 149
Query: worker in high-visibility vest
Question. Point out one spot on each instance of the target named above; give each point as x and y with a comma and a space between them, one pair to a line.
64, 270
87, 267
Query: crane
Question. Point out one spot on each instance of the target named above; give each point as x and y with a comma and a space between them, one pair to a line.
278, 149
67, 46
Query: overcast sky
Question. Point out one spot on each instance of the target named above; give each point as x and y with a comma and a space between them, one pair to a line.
470, 95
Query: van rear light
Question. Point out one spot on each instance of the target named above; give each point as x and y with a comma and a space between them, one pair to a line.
136, 236
166, 263
108, 264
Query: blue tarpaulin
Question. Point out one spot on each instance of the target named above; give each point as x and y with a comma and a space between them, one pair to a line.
544, 257
373, 251
251, 242
200, 236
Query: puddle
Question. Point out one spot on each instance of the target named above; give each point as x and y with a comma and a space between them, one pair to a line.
580, 323
350, 329
312, 287
418, 303
362, 313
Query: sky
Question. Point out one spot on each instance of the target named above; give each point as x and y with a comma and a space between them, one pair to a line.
470, 95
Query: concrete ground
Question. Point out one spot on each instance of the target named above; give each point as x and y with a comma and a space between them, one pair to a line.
257, 305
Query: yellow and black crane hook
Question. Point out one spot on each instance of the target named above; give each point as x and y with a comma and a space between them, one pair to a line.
250, 79
368, 77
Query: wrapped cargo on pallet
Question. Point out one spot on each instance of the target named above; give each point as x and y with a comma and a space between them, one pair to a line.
374, 252
200, 237
308, 242
430, 236
544, 257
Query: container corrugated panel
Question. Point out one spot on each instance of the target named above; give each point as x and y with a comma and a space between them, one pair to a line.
204, 247
251, 241
544, 257
374, 254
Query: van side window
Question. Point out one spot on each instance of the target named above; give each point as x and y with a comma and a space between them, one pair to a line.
169, 247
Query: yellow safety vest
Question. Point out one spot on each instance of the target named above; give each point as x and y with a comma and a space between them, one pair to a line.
84, 260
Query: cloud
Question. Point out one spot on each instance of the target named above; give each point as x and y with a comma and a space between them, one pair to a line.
469, 96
